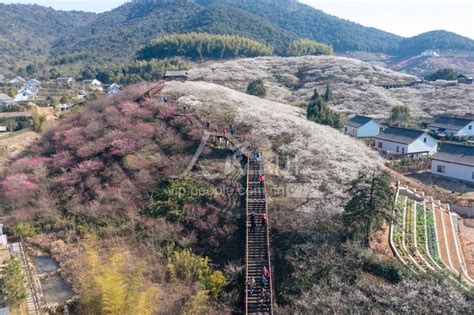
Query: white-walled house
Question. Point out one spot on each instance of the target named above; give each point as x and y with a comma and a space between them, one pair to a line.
455, 161
361, 127
453, 126
92, 83
408, 142
64, 107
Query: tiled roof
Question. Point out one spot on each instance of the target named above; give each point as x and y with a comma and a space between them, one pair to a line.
400, 135
358, 121
456, 153
451, 123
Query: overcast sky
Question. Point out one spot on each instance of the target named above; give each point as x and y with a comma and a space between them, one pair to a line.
402, 17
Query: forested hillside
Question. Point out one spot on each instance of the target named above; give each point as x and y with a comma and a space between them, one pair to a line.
308, 22
441, 40
137, 23
28, 31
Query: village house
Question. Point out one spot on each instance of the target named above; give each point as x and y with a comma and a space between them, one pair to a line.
3, 128
33, 82
361, 127
454, 161
406, 142
64, 107
452, 126
113, 89
430, 53
94, 83
65, 80
17, 81
6, 100
25, 94
464, 79
176, 75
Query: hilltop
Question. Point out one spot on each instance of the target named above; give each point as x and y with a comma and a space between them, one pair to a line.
356, 84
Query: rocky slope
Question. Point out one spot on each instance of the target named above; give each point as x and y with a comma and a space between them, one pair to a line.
356, 84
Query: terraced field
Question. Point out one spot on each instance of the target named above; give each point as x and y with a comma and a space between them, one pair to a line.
424, 236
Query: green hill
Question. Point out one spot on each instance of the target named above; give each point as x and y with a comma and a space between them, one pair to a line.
440, 40
32, 33
29, 31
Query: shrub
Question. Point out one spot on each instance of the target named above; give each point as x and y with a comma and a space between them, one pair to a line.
257, 88
387, 269
176, 198
14, 282
18, 186
186, 266
443, 74
24, 230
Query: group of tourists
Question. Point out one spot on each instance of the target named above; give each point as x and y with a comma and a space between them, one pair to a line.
264, 293
253, 220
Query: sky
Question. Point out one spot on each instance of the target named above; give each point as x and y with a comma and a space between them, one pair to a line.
401, 17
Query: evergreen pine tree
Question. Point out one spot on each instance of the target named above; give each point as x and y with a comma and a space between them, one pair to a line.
370, 206
315, 94
328, 93
320, 112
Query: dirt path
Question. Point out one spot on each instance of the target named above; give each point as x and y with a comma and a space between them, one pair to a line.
451, 241
466, 228
441, 237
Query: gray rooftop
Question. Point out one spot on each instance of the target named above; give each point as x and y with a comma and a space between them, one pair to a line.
451, 123
5, 98
400, 135
456, 153
181, 73
358, 121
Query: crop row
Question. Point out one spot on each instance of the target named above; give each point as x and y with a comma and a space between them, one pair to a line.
420, 230
432, 239
398, 226
409, 227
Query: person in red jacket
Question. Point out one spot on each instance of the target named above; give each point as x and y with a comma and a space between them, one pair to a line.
265, 272
263, 219
262, 179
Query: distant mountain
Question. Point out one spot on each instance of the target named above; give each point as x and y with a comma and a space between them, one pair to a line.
31, 31
28, 31
306, 21
439, 40
121, 32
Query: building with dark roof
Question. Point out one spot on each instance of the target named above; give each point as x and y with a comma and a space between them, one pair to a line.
181, 75
403, 141
453, 126
464, 79
455, 161
361, 127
